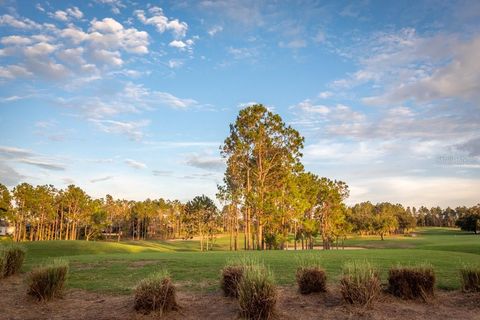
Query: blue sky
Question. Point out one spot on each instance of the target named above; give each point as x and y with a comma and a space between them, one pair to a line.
134, 98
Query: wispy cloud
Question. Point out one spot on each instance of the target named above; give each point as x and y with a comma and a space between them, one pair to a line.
135, 164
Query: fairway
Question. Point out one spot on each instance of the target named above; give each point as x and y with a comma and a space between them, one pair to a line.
115, 268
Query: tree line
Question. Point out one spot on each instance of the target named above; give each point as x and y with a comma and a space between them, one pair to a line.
268, 201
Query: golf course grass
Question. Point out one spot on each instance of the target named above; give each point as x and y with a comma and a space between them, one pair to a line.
116, 268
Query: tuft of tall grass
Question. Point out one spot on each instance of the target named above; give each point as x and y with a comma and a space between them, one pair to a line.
47, 281
412, 282
360, 283
11, 259
156, 293
257, 293
310, 276
231, 276
470, 278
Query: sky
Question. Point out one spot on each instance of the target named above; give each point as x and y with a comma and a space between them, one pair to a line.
134, 98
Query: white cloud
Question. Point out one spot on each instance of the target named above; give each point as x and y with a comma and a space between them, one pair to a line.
130, 128
115, 5
60, 15
39, 49
162, 23
102, 57
243, 53
29, 157
214, 30
416, 190
325, 94
75, 12
205, 162
95, 180
308, 106
182, 45
67, 15
19, 23
135, 164
175, 63
14, 71
15, 41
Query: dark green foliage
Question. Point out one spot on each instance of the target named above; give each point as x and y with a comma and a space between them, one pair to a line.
231, 277
360, 283
11, 260
257, 293
470, 221
470, 278
156, 293
47, 282
412, 282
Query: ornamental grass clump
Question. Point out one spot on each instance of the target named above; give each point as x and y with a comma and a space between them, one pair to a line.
11, 259
310, 276
417, 282
257, 293
231, 276
470, 278
360, 283
156, 293
47, 281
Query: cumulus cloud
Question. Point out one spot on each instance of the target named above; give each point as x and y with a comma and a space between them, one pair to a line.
18, 23
59, 53
14, 71
161, 22
182, 45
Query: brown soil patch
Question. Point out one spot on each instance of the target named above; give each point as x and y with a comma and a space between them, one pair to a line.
79, 304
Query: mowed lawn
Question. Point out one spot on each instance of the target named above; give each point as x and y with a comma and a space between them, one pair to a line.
117, 267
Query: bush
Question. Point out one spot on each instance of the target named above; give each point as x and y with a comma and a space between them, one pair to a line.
310, 276
11, 260
360, 283
257, 293
156, 293
411, 282
231, 277
47, 282
470, 278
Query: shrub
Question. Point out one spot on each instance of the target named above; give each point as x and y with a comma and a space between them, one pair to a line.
11, 260
231, 277
310, 276
257, 293
156, 293
47, 282
360, 283
412, 282
470, 278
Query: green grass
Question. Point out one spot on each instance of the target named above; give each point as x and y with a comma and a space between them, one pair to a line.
117, 267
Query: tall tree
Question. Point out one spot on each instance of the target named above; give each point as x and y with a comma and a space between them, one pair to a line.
260, 151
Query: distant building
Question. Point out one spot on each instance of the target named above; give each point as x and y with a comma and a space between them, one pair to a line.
6, 228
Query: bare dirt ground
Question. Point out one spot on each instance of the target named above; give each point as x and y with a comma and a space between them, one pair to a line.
78, 304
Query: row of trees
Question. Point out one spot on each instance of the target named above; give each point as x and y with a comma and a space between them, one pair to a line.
46, 213
267, 197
